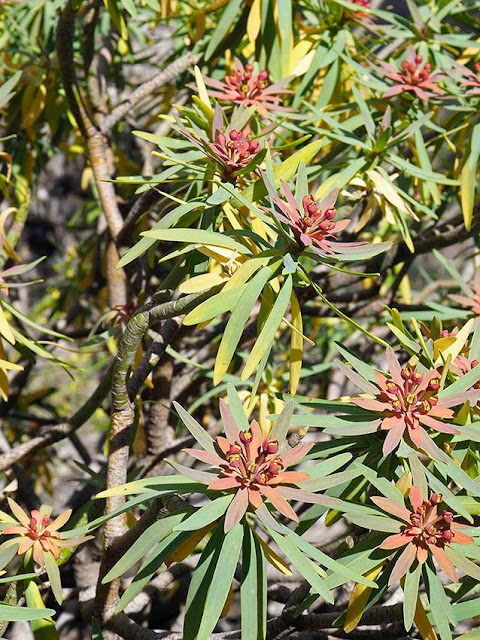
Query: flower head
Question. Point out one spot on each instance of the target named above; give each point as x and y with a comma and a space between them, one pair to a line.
361, 15
231, 150
313, 224
413, 77
234, 150
38, 532
255, 466
426, 530
463, 365
246, 88
471, 77
409, 401
472, 302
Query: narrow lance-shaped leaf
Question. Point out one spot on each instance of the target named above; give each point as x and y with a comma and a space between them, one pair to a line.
236, 323
270, 327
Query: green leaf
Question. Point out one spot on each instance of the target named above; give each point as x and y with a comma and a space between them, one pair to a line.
284, 171
303, 564
440, 608
211, 582
468, 177
6, 92
282, 423
151, 564
198, 432
339, 180
456, 275
12, 614
144, 544
410, 589
237, 321
158, 485
196, 237
328, 562
382, 484
236, 407
206, 515
43, 627
215, 306
96, 631
267, 335
253, 588
53, 573
228, 18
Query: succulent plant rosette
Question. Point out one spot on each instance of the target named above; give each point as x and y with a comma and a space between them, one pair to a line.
233, 148
247, 87
247, 489
424, 537
466, 77
413, 75
408, 404
37, 539
314, 222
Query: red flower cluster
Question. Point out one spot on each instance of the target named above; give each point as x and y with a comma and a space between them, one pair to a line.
426, 532
314, 227
235, 150
360, 14
413, 77
252, 465
472, 77
408, 400
244, 87
472, 302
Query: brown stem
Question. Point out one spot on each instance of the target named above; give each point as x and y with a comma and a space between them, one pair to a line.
145, 90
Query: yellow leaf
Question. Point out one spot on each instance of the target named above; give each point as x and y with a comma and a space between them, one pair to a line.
34, 108
424, 627
404, 483
358, 600
9, 250
296, 345
301, 58
117, 19
4, 388
189, 546
263, 412
202, 89
244, 272
454, 349
5, 327
387, 190
273, 558
228, 603
254, 21
220, 254
202, 282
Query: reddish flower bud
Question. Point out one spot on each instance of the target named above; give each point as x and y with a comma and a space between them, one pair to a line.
436, 498
245, 436
447, 516
418, 59
330, 214
270, 446
448, 535
263, 75
234, 134
306, 201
